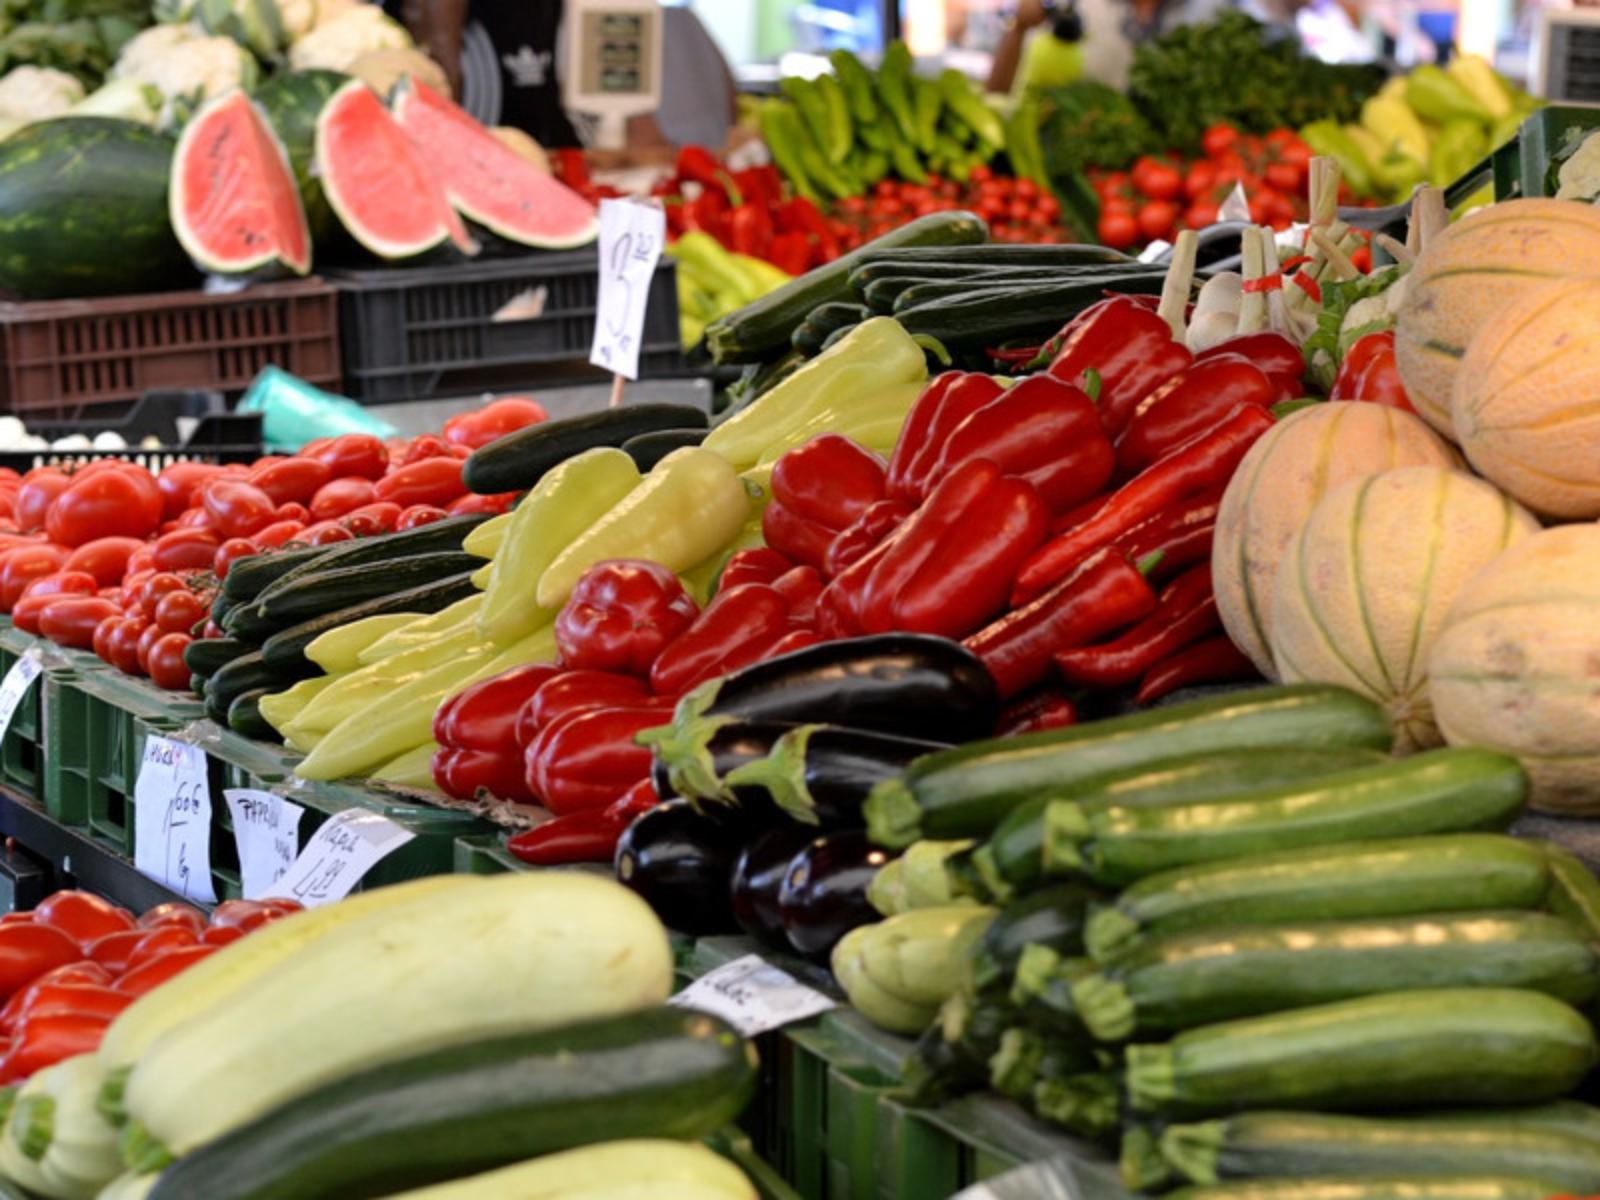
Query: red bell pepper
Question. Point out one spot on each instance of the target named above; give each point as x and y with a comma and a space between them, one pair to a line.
153, 972
760, 564
943, 405
1104, 593
866, 535
1207, 462
698, 165
56, 999
800, 589
1130, 348
829, 480
589, 835
760, 185
484, 716
707, 213
621, 615
587, 759
1214, 660
49, 1040
577, 691
839, 606
1041, 430
1189, 405
1047, 708
1278, 357
28, 950
1369, 372
793, 536
733, 632
1182, 535
790, 253
750, 230
1185, 612
466, 772
801, 214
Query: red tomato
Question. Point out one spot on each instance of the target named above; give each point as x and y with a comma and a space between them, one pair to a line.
62, 583
28, 950
425, 446
81, 916
71, 620
179, 612
112, 950
105, 558
179, 483
1156, 219
154, 588
101, 504
141, 479
148, 637
418, 515
185, 550
1117, 229
342, 496
236, 508
102, 638
174, 913
241, 914
493, 421
278, 533
294, 512
41, 1000
1218, 140
124, 644
23, 564
49, 1040
37, 492
221, 936
230, 552
352, 454
1156, 178
326, 534
431, 481
1200, 179
165, 662
291, 480
28, 611
372, 519
1286, 177
493, 505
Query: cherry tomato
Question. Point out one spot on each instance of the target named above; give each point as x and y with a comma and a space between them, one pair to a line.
174, 912
148, 637
123, 644
294, 512
38, 490
493, 421
431, 481
100, 504
291, 480
165, 662
230, 552
185, 550
237, 508
418, 515
105, 558
1219, 139
1156, 219
179, 483
22, 564
342, 496
102, 638
81, 916
372, 519
179, 612
155, 588
352, 454
1118, 230
278, 533
1156, 179
327, 534
71, 620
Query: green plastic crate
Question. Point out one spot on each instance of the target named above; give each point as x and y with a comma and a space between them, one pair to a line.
21, 752
1521, 165
736, 1148
486, 854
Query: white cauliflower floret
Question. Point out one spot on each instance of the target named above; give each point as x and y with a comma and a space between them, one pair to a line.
37, 93
1580, 175
194, 70
338, 44
146, 49
298, 17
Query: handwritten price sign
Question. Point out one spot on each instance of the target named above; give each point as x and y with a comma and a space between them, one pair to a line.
338, 855
172, 818
266, 829
752, 995
631, 237
15, 686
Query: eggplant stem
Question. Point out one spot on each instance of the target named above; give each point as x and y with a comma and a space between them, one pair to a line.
782, 774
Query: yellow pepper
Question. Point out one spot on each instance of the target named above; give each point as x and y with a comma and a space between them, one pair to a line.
423, 630
413, 769
340, 649
888, 404
280, 708
356, 690
484, 541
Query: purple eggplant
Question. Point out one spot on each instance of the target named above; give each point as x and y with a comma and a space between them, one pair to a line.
758, 877
824, 893
680, 860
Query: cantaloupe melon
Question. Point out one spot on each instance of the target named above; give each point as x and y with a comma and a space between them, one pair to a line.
1278, 484
1516, 666
1366, 582
1526, 404
1472, 270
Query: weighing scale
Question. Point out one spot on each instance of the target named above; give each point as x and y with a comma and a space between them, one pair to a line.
612, 65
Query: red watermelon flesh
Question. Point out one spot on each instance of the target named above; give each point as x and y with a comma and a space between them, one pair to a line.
387, 197
488, 182
232, 196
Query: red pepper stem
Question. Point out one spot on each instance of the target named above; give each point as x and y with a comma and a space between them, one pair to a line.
1147, 565
934, 347
783, 774
1092, 382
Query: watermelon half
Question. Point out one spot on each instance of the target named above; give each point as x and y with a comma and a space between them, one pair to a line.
232, 198
488, 182
387, 197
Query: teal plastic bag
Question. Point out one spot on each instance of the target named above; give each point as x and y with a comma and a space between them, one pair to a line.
293, 412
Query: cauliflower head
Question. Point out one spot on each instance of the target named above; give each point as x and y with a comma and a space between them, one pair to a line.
37, 93
337, 45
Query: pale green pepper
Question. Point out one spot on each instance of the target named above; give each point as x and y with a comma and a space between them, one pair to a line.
1457, 149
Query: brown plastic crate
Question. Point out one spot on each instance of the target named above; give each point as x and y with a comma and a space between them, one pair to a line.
63, 360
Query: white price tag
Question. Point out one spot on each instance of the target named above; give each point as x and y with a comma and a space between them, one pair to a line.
752, 995
266, 828
631, 236
172, 818
338, 855
16, 684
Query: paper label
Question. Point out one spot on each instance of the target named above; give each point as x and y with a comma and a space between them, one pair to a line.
753, 996
631, 236
16, 684
172, 818
337, 857
266, 829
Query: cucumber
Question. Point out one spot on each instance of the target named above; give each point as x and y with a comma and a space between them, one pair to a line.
968, 790
206, 656
1052, 917
995, 254
1441, 791
248, 673
839, 314
248, 577
1389, 878
1013, 857
1285, 1144
932, 291
518, 461
246, 623
1378, 1187
1217, 974
343, 586
648, 449
286, 649
660, 1072
439, 537
244, 716
222, 606
1574, 892
887, 268
807, 339
1464, 1046
755, 331
989, 315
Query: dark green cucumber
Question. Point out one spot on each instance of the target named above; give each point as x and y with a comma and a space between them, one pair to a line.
246, 623
996, 254
286, 649
885, 292
1574, 891
248, 577
968, 790
1388, 878
1264, 1145
935, 291
437, 538
838, 314
1220, 973
340, 587
1013, 858
519, 460
757, 330
1441, 791
222, 606
885, 268
244, 716
206, 656
990, 315
1377, 1187
1463, 1046
664, 1072
246, 674
1052, 917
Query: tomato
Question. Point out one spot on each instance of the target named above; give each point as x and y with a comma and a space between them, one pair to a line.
71, 620
142, 480
372, 519
156, 587
179, 612
1294, 151
291, 480
1200, 214
174, 912
236, 508
37, 492
165, 662
493, 421
163, 939
148, 636
431, 481
278, 533
179, 483
501, 502
418, 515
100, 504
342, 496
230, 552
29, 949
105, 558
423, 446
1219, 140
222, 935
244, 915
81, 916
352, 454
102, 638
1286, 177
1156, 179
124, 644
65, 582
185, 550
23, 564
1117, 229
327, 534
1156, 219
293, 512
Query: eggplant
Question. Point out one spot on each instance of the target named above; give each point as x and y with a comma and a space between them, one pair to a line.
680, 860
730, 747
821, 774
1053, 917
824, 893
758, 878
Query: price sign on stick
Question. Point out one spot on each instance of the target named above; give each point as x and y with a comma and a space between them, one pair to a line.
16, 684
632, 234
338, 855
266, 828
752, 995
172, 818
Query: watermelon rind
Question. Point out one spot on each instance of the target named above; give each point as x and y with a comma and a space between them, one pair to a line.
293, 101
271, 259
83, 210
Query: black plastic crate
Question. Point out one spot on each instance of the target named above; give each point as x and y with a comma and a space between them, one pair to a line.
218, 436
428, 332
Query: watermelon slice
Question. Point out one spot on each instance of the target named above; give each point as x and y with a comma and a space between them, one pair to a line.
488, 182
388, 198
232, 196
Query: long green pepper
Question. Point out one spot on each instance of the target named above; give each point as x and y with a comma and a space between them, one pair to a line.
838, 135
968, 106
783, 133
906, 163
894, 88
927, 103
856, 81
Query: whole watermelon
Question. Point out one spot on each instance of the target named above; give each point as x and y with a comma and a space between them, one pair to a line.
292, 103
83, 210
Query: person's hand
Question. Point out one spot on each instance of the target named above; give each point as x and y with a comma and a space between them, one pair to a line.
1029, 13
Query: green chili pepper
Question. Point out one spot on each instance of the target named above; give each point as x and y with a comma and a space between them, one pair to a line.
906, 163
856, 81
837, 136
957, 130
1022, 144
927, 102
950, 150
877, 134
968, 106
783, 133
819, 170
894, 88
872, 166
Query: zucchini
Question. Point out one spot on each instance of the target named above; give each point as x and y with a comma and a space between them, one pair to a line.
1441, 791
893, 268
206, 656
1390, 878
996, 254
441, 536
807, 339
755, 331
1465, 1046
1570, 1117
1377, 1187
1217, 974
1088, 1104
839, 314
342, 587
286, 649
990, 315
247, 673
659, 1072
1285, 1144
1574, 891
519, 460
648, 449
1051, 917
1025, 1056
967, 791
248, 577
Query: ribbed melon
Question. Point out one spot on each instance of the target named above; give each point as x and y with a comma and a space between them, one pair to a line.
1365, 584
1516, 666
1525, 403
1470, 272
1278, 484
